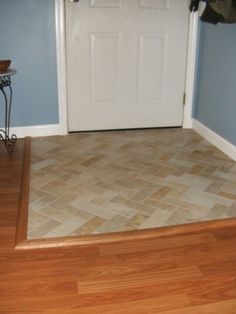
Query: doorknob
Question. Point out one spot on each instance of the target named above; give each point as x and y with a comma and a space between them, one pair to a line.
74, 0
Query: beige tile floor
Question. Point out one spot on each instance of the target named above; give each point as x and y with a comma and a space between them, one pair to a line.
103, 182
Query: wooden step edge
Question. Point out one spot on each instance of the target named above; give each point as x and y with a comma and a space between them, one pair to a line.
162, 232
22, 214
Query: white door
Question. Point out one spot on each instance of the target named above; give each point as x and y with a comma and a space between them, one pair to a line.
126, 63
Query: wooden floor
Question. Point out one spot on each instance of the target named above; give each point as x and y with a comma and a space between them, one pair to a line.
191, 273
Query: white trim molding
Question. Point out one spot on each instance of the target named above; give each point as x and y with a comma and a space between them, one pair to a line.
36, 130
190, 70
61, 65
225, 146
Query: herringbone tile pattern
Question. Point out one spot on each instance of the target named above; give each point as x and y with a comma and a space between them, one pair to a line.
115, 181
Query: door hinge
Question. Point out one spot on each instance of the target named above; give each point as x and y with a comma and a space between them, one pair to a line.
184, 99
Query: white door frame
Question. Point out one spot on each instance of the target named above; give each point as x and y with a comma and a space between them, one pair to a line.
191, 70
61, 65
62, 75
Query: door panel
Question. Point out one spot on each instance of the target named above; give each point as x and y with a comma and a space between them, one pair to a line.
104, 64
154, 4
150, 68
105, 3
126, 63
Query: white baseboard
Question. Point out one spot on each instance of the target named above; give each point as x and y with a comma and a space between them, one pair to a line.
36, 130
225, 146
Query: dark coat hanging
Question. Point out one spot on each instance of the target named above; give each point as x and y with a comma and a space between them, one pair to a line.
216, 11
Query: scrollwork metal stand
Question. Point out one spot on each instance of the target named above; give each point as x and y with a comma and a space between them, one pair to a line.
5, 82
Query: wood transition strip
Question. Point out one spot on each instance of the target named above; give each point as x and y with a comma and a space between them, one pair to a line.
22, 215
21, 242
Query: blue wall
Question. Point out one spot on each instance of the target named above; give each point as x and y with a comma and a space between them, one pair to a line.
216, 97
27, 37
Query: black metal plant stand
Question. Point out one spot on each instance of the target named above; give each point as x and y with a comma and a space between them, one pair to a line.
5, 83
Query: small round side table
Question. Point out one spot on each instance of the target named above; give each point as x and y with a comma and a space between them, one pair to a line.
5, 83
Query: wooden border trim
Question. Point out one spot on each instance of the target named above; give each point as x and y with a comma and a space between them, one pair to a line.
22, 215
127, 235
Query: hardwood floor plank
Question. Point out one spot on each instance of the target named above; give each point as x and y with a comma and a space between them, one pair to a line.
216, 267
228, 307
138, 279
198, 254
169, 243
139, 306
39, 289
